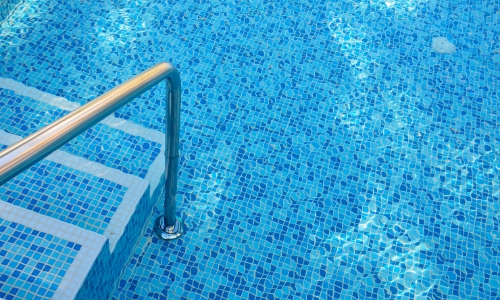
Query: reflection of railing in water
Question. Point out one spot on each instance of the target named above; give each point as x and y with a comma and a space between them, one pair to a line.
6, 6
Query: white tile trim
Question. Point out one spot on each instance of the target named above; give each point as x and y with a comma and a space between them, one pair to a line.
136, 186
156, 170
8, 139
92, 245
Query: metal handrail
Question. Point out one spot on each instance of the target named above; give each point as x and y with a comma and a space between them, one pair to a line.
28, 151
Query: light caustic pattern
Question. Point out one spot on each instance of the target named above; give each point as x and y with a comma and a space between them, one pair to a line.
327, 149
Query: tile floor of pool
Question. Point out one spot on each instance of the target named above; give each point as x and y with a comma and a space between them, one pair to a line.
328, 151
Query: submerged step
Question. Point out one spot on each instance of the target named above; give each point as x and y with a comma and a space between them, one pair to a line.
105, 181
115, 143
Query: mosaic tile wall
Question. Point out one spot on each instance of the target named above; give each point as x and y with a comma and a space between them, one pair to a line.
102, 144
73, 196
328, 150
32, 263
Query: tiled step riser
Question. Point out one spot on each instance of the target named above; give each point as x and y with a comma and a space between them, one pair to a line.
102, 278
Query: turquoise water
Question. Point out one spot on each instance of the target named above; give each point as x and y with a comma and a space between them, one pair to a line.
328, 150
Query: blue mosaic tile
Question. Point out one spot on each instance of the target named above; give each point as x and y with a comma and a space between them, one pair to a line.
65, 194
328, 150
101, 143
32, 263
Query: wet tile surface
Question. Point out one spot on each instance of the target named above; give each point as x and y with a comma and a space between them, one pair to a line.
328, 150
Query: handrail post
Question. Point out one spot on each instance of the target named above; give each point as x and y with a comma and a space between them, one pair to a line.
168, 226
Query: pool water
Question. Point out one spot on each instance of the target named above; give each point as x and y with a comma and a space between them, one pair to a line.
328, 150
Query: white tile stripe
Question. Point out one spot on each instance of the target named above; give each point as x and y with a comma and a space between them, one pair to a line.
134, 129
155, 170
92, 245
36, 94
135, 186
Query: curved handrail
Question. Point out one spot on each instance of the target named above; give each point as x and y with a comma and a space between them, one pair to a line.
28, 151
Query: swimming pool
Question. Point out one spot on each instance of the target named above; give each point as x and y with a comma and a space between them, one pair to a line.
328, 150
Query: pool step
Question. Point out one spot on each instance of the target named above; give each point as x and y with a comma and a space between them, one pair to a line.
75, 191
115, 143
94, 185
90, 196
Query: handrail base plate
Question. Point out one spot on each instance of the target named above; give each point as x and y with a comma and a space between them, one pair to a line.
170, 232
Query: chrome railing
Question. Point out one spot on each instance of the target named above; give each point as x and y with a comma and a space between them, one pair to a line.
28, 151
